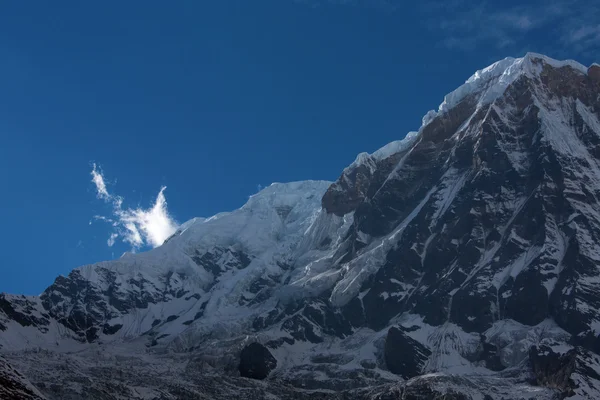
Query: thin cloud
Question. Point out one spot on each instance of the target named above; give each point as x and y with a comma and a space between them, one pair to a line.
105, 219
98, 180
137, 226
569, 27
111, 240
583, 33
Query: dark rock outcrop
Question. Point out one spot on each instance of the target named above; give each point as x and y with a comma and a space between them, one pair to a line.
552, 368
351, 193
256, 361
572, 371
403, 355
594, 73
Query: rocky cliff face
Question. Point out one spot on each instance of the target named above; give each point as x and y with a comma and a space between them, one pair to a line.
462, 262
493, 212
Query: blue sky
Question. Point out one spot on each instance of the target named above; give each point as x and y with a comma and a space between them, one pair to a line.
211, 99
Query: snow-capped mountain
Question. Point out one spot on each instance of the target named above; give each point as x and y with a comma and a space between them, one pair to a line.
462, 262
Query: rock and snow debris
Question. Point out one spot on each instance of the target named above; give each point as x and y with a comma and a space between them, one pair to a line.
13, 385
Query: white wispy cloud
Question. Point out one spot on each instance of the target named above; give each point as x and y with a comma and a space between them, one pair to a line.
569, 27
111, 239
585, 32
98, 180
137, 226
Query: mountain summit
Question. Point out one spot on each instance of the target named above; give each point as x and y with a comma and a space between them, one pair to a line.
462, 262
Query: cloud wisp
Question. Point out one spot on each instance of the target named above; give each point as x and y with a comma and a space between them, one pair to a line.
138, 227
466, 27
563, 27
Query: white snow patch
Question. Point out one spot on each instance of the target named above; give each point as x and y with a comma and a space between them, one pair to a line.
382, 153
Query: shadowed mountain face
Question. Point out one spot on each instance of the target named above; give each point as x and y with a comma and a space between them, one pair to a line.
493, 211
462, 262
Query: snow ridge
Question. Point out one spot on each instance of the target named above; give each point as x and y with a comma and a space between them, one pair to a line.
491, 82
384, 152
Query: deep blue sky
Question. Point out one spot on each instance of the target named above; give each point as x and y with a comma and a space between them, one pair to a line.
212, 98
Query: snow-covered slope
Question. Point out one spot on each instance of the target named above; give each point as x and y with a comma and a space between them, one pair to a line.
206, 269
462, 261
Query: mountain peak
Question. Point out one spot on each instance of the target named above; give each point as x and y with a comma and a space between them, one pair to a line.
491, 82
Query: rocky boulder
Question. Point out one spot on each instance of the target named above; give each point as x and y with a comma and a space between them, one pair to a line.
256, 361
403, 355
